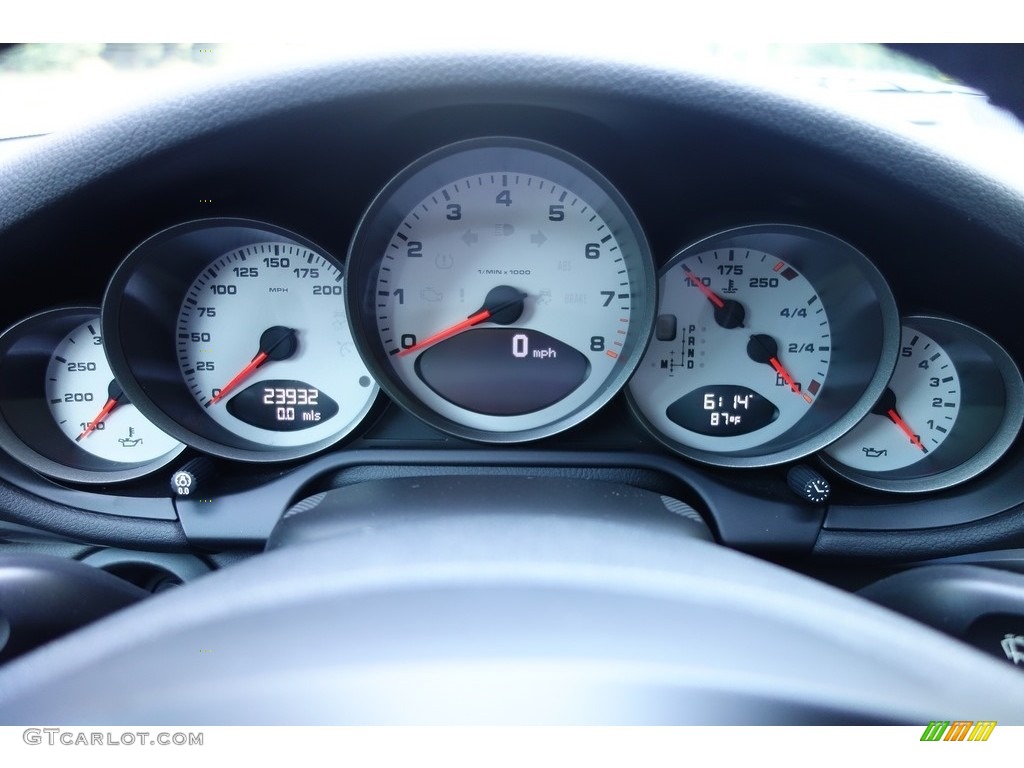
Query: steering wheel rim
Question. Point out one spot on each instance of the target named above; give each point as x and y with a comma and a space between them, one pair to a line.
505, 613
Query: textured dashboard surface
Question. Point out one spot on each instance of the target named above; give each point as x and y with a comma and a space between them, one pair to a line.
69, 162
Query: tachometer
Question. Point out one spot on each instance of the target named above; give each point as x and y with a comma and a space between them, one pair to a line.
501, 289
770, 342
258, 347
232, 336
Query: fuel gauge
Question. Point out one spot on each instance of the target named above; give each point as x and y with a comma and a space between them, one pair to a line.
951, 409
771, 341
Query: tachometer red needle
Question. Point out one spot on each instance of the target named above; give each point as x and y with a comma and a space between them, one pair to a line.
474, 319
502, 305
905, 428
110, 405
774, 363
255, 363
713, 297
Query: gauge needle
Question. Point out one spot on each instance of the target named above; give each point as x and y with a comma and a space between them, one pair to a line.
886, 406
115, 397
729, 313
713, 297
503, 305
276, 343
762, 348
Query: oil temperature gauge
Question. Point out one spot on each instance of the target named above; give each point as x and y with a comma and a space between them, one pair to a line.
90, 407
62, 413
952, 408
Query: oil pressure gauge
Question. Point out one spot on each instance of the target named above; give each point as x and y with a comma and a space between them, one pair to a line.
952, 408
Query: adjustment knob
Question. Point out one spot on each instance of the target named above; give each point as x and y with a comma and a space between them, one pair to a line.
186, 482
809, 484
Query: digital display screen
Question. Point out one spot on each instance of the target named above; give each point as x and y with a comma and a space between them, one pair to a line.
502, 371
723, 411
282, 405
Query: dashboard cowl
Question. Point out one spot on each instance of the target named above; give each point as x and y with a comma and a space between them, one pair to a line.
491, 503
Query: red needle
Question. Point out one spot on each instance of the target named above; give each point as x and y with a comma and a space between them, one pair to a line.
713, 297
255, 363
774, 362
469, 322
110, 405
905, 428
503, 305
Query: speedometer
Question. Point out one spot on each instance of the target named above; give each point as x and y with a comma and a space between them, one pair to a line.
258, 348
231, 335
770, 342
501, 289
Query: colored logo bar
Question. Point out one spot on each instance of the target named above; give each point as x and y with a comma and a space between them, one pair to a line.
958, 730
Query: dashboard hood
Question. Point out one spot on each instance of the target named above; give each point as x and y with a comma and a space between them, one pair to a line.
67, 162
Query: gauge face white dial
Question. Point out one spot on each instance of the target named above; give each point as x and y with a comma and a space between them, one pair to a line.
741, 350
90, 409
562, 269
264, 346
505, 289
915, 419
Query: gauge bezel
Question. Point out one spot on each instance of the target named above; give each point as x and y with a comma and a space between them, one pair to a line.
984, 368
448, 164
140, 313
864, 327
27, 429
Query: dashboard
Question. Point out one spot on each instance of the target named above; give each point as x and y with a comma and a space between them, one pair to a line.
665, 191
801, 327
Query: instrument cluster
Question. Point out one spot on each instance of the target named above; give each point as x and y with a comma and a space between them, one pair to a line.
502, 290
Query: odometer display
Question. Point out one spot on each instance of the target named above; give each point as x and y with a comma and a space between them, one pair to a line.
282, 405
